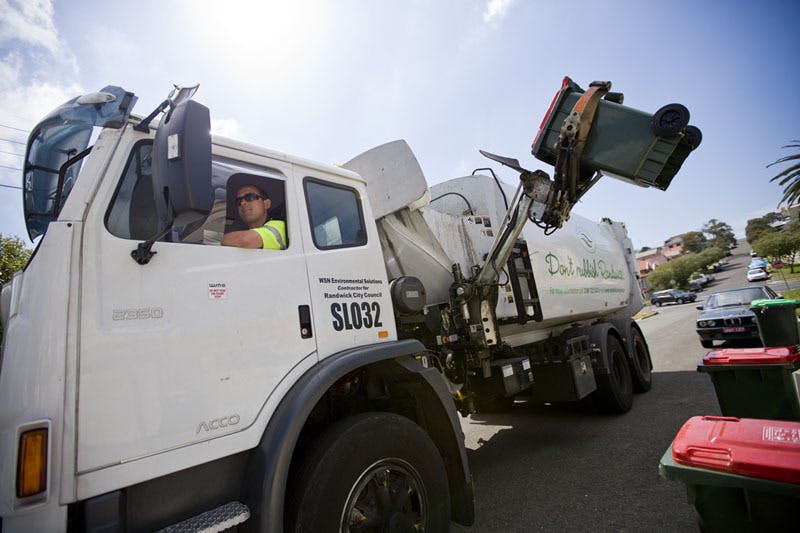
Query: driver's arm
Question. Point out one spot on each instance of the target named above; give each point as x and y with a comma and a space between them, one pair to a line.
243, 239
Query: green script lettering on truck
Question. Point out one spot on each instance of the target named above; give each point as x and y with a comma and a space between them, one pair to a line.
180, 382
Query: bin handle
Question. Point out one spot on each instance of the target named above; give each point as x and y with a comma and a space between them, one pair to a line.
700, 455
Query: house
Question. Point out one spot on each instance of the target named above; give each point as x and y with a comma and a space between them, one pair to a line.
673, 247
648, 260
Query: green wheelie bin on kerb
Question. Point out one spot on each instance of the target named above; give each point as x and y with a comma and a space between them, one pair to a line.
777, 321
755, 382
740, 474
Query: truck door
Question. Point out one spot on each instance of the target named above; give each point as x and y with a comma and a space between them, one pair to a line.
189, 347
349, 289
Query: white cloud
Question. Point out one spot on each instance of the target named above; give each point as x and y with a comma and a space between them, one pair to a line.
227, 127
29, 21
496, 10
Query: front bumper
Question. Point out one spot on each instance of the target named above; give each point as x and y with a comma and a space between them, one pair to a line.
718, 333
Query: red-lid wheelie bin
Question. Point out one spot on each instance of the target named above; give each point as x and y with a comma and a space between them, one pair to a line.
740, 474
755, 382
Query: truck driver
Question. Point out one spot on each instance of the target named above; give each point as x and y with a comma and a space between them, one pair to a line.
253, 205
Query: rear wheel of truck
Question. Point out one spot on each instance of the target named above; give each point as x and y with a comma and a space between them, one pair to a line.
641, 368
371, 472
615, 389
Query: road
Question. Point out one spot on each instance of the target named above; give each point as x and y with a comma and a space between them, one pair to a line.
555, 468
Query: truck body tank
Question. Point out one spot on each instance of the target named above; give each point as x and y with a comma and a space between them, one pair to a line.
582, 272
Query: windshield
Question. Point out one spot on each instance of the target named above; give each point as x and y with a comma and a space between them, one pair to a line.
734, 298
57, 146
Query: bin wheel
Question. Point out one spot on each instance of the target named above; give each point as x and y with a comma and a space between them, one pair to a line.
706, 344
693, 136
615, 390
669, 120
641, 366
376, 471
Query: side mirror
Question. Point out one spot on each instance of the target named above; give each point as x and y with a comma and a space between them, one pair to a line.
181, 169
182, 165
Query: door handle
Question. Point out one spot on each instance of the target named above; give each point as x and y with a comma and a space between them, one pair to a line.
305, 322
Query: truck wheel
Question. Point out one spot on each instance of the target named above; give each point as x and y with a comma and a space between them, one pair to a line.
641, 369
706, 344
371, 472
669, 120
615, 389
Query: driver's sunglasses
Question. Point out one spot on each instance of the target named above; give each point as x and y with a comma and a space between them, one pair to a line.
249, 197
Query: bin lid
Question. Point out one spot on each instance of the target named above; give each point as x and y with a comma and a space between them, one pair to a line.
766, 449
778, 302
752, 356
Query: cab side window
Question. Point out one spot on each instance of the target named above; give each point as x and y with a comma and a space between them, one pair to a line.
337, 220
132, 214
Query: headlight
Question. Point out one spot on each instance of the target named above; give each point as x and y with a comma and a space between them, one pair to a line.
711, 323
702, 323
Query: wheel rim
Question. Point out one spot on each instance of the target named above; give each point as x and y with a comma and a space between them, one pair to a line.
388, 496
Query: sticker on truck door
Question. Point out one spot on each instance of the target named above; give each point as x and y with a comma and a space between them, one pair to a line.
353, 302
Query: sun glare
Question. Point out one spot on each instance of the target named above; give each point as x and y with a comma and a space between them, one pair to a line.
256, 34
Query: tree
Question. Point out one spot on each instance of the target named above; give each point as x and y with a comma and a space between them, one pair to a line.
758, 227
783, 245
694, 241
722, 235
13, 257
789, 178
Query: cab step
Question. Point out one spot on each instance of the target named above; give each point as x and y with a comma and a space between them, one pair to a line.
223, 517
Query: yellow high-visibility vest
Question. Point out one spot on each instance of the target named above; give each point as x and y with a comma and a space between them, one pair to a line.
273, 235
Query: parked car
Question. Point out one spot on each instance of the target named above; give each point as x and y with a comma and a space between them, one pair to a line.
757, 274
700, 279
672, 296
726, 315
757, 263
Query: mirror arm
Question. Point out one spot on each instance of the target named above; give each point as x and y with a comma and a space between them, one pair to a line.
143, 252
144, 125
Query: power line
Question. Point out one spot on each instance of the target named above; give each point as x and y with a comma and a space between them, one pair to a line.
11, 153
13, 128
12, 141
10, 168
10, 186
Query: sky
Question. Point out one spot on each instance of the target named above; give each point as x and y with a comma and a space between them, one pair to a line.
327, 80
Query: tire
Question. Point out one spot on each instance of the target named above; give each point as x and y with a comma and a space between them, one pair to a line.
615, 389
370, 472
680, 300
669, 120
641, 367
693, 136
706, 344
658, 304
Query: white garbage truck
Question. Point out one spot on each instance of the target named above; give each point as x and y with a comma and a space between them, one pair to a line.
153, 379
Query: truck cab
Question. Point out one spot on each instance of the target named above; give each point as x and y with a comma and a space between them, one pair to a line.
162, 359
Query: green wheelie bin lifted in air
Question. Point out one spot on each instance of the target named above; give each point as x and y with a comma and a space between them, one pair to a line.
635, 146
